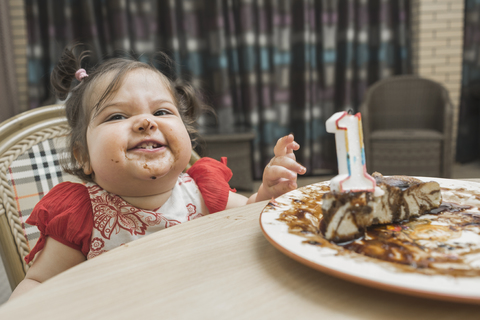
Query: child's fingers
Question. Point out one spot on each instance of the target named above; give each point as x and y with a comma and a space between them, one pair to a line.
293, 146
277, 173
289, 164
280, 148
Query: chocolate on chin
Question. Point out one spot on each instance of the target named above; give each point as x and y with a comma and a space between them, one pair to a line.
346, 215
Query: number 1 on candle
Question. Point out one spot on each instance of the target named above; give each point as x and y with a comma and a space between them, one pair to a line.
352, 168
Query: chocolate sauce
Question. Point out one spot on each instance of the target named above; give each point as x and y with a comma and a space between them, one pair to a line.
425, 244
450, 207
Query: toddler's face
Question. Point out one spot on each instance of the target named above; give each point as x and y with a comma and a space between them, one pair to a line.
137, 142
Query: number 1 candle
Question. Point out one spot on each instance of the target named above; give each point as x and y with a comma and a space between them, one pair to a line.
352, 168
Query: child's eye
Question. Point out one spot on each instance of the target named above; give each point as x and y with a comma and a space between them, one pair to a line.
115, 117
162, 112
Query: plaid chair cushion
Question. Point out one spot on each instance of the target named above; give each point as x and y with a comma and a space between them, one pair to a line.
32, 175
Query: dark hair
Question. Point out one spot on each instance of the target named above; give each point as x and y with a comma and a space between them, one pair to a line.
79, 112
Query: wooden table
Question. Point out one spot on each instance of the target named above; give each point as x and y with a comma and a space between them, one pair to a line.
216, 267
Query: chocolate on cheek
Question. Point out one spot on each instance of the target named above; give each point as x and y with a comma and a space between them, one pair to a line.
145, 166
176, 153
126, 155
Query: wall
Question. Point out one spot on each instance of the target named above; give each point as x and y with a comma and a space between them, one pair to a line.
437, 36
19, 33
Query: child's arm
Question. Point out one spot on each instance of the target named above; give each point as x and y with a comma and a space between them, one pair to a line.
280, 175
52, 260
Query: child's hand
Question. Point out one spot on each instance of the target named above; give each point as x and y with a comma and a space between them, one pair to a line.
280, 175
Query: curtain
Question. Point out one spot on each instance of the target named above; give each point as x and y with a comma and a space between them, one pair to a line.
468, 139
271, 66
9, 103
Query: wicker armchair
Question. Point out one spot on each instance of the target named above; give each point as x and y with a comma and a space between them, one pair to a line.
31, 145
408, 125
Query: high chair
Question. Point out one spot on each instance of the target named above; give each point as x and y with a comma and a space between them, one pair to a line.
31, 146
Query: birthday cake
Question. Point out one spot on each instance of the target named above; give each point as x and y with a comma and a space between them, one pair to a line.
358, 200
346, 215
406, 224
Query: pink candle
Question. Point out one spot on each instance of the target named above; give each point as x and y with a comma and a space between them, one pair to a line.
352, 168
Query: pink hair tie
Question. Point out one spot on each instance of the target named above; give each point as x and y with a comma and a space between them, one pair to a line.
80, 74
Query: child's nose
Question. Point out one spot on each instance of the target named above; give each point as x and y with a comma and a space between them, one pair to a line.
144, 125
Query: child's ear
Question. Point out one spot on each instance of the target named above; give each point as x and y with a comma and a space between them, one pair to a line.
87, 169
84, 163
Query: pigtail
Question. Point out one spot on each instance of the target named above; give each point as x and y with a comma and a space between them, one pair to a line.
61, 80
192, 106
64, 72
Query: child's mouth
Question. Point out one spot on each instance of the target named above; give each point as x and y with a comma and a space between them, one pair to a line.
148, 146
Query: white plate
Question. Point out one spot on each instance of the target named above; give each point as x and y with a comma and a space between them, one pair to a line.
369, 271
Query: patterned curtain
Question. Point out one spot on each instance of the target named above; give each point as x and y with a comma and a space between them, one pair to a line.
468, 139
271, 66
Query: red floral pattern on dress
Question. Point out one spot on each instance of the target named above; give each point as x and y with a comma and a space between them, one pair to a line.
93, 254
155, 218
192, 212
116, 222
97, 244
94, 188
112, 213
186, 178
171, 223
191, 209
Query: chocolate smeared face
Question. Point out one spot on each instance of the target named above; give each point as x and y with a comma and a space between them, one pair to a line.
444, 241
137, 141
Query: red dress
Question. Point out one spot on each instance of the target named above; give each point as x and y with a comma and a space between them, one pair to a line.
65, 213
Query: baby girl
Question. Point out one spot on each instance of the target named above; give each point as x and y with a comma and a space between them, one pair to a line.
132, 133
